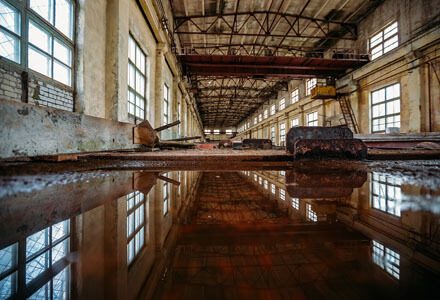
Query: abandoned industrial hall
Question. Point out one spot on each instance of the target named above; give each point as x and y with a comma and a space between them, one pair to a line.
220, 149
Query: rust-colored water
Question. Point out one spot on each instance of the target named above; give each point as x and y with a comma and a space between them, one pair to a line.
299, 233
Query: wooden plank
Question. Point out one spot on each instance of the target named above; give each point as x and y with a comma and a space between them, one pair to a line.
144, 136
56, 158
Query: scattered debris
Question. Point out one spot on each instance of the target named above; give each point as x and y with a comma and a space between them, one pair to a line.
257, 144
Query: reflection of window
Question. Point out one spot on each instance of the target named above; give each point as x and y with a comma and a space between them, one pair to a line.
136, 79
311, 215
282, 173
57, 288
282, 134
260, 180
294, 122
255, 177
266, 184
255, 120
207, 131
386, 193
384, 41
282, 194
272, 188
294, 97
295, 203
166, 196
260, 117
46, 266
310, 84
216, 131
8, 271
228, 131
386, 259
265, 113
312, 119
385, 108
135, 224
45, 248
282, 104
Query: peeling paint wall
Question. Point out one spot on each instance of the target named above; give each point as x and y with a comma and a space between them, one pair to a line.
100, 85
29, 130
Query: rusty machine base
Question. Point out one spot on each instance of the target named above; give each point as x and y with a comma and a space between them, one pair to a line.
323, 142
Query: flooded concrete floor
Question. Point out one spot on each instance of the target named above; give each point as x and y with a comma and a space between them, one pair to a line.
304, 230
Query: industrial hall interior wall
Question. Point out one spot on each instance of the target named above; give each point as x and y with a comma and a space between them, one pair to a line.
88, 84
413, 68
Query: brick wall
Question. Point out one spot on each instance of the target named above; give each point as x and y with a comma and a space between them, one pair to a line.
40, 92
10, 85
45, 94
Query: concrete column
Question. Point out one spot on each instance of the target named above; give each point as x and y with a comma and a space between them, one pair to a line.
363, 111
79, 59
116, 60
159, 82
175, 106
412, 103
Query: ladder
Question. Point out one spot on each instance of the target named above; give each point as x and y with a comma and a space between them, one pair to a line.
347, 112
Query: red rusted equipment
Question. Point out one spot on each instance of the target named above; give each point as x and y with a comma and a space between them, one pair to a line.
321, 142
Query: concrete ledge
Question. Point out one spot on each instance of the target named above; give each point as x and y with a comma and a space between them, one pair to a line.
29, 130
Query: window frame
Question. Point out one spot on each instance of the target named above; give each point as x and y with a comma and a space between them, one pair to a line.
282, 132
291, 122
310, 84
166, 196
387, 186
381, 44
166, 103
272, 134
24, 287
294, 96
282, 104
27, 14
385, 102
273, 109
311, 122
134, 89
18, 37
310, 213
142, 204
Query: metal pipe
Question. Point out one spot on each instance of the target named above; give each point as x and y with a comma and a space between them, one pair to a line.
189, 138
166, 126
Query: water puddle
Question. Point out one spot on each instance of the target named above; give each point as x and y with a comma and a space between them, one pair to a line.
251, 234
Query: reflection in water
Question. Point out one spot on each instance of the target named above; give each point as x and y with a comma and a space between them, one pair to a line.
46, 272
135, 224
311, 215
229, 235
323, 183
165, 192
386, 193
386, 258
